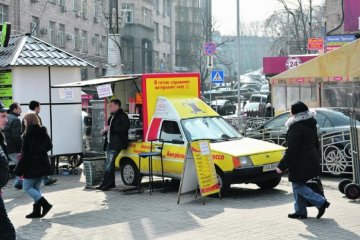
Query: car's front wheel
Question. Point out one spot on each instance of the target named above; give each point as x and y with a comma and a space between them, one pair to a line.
224, 184
269, 184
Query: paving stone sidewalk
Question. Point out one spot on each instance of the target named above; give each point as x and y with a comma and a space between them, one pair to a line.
247, 213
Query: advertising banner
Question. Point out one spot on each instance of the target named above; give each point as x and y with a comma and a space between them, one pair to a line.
205, 168
315, 44
351, 15
276, 65
334, 42
6, 95
155, 85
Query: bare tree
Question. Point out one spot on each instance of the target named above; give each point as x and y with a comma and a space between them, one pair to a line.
198, 58
291, 26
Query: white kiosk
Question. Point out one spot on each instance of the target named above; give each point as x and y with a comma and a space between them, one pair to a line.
28, 68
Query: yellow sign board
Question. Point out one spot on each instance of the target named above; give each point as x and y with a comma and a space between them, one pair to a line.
205, 168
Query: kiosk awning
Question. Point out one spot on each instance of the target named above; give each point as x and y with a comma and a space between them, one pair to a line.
342, 64
95, 82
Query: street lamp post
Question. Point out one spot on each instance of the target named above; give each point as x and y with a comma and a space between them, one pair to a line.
240, 122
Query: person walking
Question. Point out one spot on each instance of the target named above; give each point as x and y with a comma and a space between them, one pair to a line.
301, 159
7, 230
269, 110
12, 133
34, 107
34, 163
116, 139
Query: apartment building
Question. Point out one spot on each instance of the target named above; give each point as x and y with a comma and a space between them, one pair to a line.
76, 26
147, 38
189, 33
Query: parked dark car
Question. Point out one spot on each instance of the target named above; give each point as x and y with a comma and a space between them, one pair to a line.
223, 106
330, 121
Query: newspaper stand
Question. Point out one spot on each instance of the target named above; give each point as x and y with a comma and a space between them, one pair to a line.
351, 188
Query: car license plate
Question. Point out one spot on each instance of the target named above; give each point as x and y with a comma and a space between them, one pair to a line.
269, 167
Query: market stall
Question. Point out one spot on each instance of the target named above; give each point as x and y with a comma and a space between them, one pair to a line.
324, 81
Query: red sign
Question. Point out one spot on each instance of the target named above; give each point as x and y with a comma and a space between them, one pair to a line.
315, 44
276, 65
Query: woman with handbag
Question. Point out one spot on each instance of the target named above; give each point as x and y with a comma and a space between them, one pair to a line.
301, 159
34, 163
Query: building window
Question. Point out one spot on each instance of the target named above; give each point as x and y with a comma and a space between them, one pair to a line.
128, 10
166, 32
77, 5
77, 39
34, 26
157, 7
97, 8
61, 35
156, 61
52, 32
157, 32
103, 46
97, 44
4, 13
84, 8
167, 9
84, 41
147, 17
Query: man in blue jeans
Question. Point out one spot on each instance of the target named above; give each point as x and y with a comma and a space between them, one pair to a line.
116, 139
7, 230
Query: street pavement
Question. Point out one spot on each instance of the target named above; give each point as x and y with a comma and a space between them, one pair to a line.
123, 213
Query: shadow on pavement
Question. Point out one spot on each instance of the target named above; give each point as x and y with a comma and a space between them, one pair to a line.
140, 210
324, 228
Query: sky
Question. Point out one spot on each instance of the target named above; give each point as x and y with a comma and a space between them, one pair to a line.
224, 12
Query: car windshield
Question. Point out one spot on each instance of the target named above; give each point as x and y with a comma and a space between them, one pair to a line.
210, 128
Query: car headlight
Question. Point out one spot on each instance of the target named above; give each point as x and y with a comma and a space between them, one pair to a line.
283, 153
245, 161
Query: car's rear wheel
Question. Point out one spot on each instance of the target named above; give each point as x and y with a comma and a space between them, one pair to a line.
130, 174
269, 184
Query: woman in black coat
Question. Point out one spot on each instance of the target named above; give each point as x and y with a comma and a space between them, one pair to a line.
301, 159
34, 163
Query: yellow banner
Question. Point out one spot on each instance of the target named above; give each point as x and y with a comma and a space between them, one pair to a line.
169, 86
205, 168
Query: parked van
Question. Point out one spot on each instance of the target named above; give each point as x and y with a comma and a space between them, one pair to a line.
171, 110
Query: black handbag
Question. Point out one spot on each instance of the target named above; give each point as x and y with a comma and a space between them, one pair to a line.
316, 185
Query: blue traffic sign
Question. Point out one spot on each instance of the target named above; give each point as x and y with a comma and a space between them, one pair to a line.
209, 48
217, 76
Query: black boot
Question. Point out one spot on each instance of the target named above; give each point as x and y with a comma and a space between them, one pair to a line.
36, 213
46, 206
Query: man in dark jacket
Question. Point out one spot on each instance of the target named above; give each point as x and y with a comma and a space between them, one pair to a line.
7, 230
12, 133
301, 159
116, 140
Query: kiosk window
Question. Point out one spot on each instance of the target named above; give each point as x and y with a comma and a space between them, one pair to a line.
170, 132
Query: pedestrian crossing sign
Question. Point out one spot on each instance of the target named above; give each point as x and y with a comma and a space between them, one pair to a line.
217, 76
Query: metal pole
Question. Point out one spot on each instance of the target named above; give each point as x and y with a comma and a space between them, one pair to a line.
238, 64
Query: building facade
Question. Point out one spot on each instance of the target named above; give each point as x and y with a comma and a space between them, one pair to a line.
342, 19
147, 37
189, 33
76, 26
